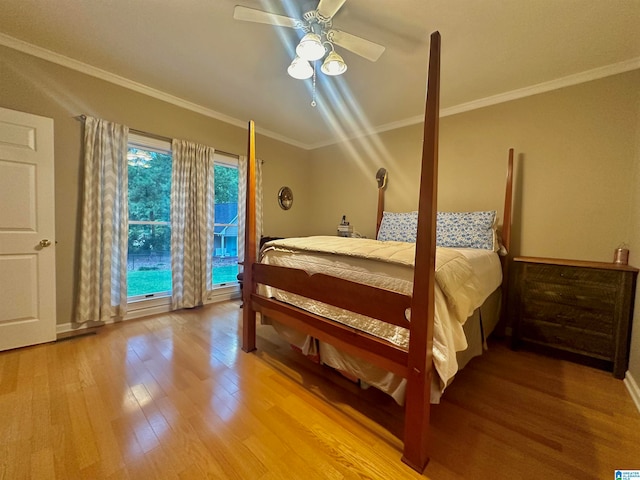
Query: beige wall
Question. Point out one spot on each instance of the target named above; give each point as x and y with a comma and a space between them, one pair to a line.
35, 86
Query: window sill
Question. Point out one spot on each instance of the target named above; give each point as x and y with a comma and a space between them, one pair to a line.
224, 292
162, 304
148, 306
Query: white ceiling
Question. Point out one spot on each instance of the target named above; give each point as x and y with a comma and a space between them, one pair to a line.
193, 53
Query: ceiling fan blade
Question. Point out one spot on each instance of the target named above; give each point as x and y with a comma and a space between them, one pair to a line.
328, 8
258, 16
358, 45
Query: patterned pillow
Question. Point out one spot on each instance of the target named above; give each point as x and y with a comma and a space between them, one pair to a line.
400, 227
467, 230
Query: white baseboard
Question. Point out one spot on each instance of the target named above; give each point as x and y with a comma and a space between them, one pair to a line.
146, 311
633, 389
66, 330
153, 307
224, 295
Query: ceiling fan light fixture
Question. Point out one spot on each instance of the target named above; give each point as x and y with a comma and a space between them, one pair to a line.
300, 69
333, 65
310, 47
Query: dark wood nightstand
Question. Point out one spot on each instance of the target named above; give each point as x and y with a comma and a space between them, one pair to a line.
583, 309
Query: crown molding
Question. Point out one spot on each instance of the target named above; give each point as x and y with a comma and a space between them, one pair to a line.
96, 72
570, 80
575, 79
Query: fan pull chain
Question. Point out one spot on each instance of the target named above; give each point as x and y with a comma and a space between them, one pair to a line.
313, 99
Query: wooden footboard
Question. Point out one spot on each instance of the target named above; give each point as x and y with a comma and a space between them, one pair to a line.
383, 305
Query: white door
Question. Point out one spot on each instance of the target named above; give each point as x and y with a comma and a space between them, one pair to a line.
27, 243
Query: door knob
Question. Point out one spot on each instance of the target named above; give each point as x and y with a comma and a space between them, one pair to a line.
45, 243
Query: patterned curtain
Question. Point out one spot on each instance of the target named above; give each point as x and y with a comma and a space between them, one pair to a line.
192, 219
105, 214
242, 196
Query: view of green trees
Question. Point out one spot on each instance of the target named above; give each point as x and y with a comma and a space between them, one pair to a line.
226, 184
149, 252
149, 200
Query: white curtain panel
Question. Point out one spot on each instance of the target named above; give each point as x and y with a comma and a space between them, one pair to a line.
192, 220
242, 200
102, 292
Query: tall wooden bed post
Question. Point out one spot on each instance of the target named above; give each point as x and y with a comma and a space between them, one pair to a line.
250, 253
416, 428
508, 200
506, 221
506, 241
381, 178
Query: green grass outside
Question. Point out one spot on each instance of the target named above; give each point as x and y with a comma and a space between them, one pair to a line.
145, 282
225, 274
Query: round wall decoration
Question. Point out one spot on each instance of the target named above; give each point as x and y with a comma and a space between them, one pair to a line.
285, 198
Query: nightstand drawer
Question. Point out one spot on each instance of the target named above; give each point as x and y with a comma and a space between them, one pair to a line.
566, 275
593, 319
576, 340
600, 297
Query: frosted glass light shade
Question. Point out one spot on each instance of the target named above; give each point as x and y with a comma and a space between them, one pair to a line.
333, 65
300, 69
310, 47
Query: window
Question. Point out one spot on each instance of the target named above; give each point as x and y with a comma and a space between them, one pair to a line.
149, 249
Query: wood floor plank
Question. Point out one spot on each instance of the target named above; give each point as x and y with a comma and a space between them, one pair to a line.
173, 396
8, 373
42, 464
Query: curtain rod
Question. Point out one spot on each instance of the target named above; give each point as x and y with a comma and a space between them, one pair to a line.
160, 137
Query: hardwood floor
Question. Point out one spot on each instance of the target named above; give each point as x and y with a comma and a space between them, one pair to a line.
173, 396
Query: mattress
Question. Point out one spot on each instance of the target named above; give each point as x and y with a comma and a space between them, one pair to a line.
478, 274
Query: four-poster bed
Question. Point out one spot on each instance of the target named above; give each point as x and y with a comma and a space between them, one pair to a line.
414, 363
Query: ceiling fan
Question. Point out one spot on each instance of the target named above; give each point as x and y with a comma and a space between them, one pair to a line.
318, 40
